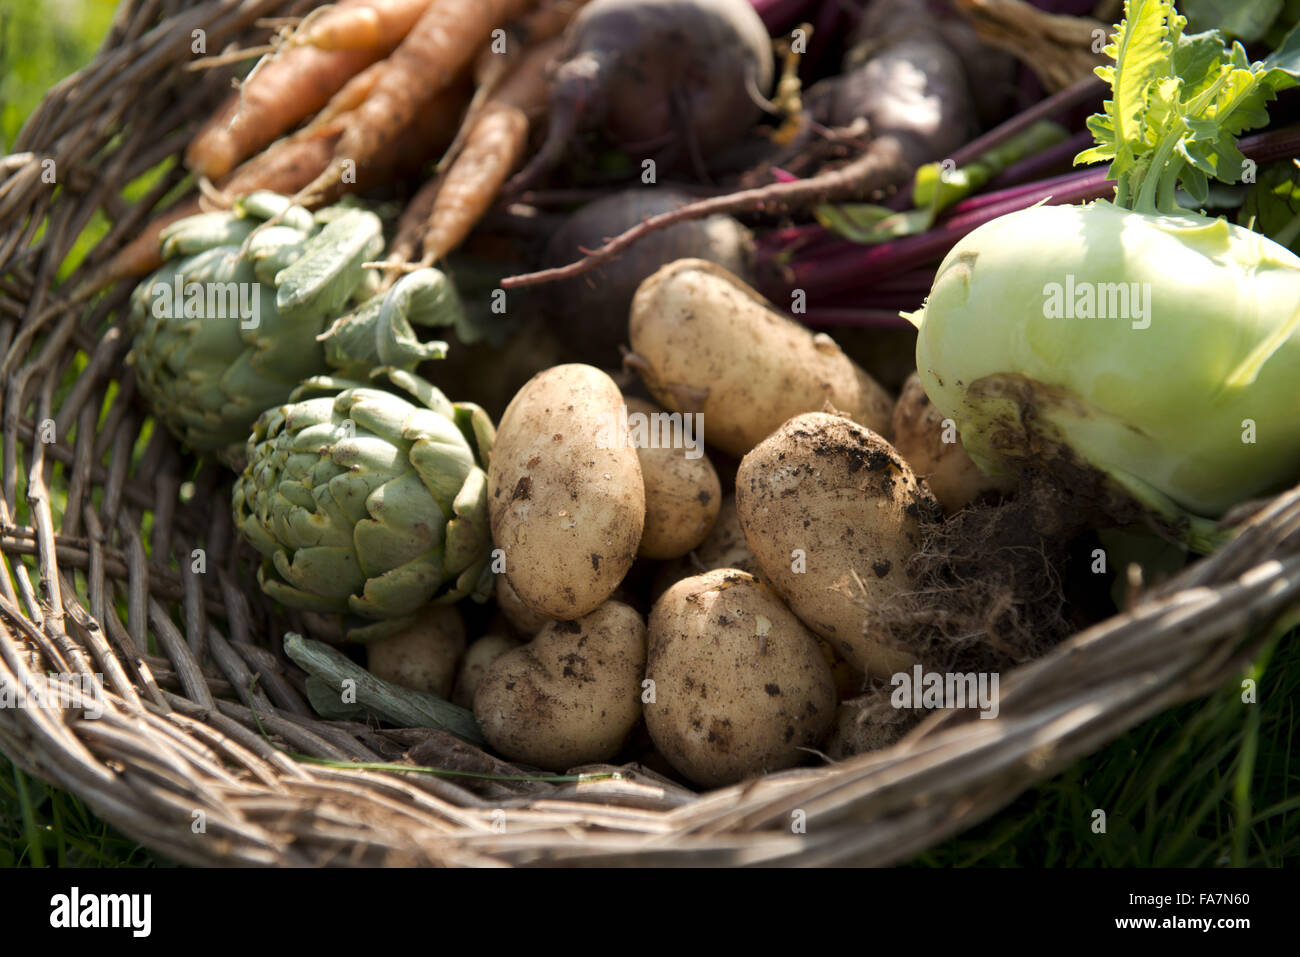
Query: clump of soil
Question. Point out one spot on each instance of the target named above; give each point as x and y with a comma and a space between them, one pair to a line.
997, 585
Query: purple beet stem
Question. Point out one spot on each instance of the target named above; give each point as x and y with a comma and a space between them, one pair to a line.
1034, 167
1081, 92
853, 266
842, 268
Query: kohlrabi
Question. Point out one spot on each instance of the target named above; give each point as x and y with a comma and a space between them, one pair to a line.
1134, 339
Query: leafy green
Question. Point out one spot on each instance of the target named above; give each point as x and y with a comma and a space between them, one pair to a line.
1272, 206
1286, 56
935, 188
1179, 102
1246, 20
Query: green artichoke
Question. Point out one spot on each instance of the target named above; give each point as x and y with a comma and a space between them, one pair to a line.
230, 325
369, 500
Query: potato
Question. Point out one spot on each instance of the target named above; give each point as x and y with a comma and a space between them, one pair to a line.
682, 493
565, 493
570, 696
833, 513
422, 656
936, 454
739, 683
481, 654
522, 618
705, 342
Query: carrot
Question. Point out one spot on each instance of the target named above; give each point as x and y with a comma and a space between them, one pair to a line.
285, 90
438, 49
291, 85
290, 164
352, 95
544, 23
493, 147
379, 23
284, 168
426, 135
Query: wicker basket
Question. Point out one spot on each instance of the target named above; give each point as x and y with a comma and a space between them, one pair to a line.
179, 761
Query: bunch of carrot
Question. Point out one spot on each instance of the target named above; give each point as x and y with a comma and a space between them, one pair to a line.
362, 90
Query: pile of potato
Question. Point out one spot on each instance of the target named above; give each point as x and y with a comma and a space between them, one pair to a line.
755, 601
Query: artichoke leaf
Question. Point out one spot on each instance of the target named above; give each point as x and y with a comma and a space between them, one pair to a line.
393, 703
265, 205
320, 281
441, 457
477, 427
329, 572
400, 591
373, 410
204, 231
469, 535
379, 334
405, 523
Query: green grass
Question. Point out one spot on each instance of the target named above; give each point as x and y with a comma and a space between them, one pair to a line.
42, 826
1210, 784
40, 43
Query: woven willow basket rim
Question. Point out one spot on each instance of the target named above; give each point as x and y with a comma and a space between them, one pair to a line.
181, 735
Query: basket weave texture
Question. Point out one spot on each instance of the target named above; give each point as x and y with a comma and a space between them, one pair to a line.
190, 755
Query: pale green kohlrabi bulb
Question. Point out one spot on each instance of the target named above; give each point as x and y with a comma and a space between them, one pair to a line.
1163, 350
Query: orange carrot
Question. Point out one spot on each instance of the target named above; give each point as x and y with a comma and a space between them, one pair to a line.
536, 26
290, 164
411, 226
284, 168
437, 50
352, 95
493, 147
427, 134
288, 88
294, 83
379, 23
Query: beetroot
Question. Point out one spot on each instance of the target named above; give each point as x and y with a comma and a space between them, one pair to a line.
663, 79
590, 312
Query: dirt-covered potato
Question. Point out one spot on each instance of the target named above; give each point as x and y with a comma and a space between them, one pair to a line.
740, 685
682, 491
935, 452
703, 341
480, 654
565, 493
571, 695
833, 514
424, 655
522, 618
